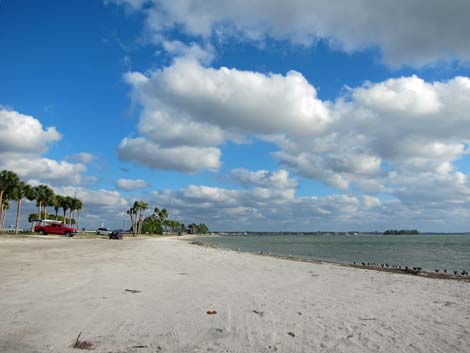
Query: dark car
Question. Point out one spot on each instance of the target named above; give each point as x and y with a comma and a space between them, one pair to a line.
115, 234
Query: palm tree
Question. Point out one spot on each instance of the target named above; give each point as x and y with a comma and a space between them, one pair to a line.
78, 205
4, 207
44, 195
65, 204
57, 203
49, 200
71, 205
193, 228
130, 212
137, 212
31, 195
8, 181
163, 214
72, 209
142, 207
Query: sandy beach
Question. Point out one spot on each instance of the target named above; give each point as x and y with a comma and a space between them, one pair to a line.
153, 295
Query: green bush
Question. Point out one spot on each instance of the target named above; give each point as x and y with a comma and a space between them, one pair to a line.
152, 225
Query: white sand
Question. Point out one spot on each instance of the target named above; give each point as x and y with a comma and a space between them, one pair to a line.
53, 289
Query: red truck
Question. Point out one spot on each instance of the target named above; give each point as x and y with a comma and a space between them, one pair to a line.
54, 227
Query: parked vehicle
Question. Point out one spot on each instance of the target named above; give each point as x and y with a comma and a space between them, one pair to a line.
103, 231
54, 227
115, 234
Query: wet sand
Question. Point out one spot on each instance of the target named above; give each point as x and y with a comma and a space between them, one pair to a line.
153, 295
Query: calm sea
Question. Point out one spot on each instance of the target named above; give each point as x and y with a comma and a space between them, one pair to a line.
429, 251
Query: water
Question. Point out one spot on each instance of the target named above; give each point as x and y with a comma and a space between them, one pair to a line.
429, 251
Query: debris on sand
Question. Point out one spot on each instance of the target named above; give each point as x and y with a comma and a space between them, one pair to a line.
292, 334
211, 312
133, 291
82, 344
140, 346
260, 313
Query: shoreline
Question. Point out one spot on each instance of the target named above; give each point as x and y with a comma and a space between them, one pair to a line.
405, 271
192, 239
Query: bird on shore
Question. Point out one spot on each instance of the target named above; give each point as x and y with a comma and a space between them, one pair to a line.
456, 273
445, 271
437, 271
464, 273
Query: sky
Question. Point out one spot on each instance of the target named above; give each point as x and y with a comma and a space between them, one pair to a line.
252, 115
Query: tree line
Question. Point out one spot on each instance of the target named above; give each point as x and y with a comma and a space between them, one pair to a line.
401, 232
13, 189
158, 222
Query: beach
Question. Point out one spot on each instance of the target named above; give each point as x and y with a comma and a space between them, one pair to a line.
154, 295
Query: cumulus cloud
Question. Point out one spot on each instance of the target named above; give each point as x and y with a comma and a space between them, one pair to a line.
278, 208
101, 198
272, 209
263, 178
24, 133
44, 169
23, 141
366, 139
83, 157
188, 159
244, 101
412, 33
176, 48
189, 110
131, 184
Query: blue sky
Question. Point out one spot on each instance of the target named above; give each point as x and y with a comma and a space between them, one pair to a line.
67, 65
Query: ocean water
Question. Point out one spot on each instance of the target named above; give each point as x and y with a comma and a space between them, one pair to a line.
429, 251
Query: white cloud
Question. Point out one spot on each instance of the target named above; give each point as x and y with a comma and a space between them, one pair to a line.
181, 158
44, 169
263, 178
131, 184
95, 199
412, 33
271, 209
84, 157
24, 134
275, 209
359, 141
242, 100
189, 110
23, 141
131, 4
176, 48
